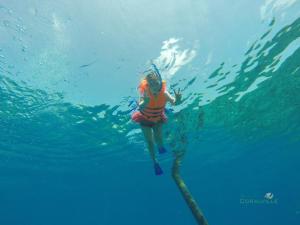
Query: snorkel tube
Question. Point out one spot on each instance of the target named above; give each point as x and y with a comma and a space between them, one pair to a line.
156, 71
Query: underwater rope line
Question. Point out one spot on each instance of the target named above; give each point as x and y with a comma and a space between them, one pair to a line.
189, 199
178, 157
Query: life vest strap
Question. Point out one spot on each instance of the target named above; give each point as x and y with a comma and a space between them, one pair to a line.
154, 116
155, 108
151, 112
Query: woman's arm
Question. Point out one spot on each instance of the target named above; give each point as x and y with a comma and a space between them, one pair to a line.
173, 100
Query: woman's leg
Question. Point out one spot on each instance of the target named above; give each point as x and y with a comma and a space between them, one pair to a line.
148, 133
157, 131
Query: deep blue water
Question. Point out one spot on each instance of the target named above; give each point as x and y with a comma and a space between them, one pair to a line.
69, 153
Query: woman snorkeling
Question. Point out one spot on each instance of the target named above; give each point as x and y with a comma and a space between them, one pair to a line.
151, 113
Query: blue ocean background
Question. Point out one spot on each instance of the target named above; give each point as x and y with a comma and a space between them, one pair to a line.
69, 71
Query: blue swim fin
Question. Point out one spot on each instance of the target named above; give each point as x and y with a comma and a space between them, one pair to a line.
162, 150
157, 169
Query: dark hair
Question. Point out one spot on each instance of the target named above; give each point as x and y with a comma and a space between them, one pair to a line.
152, 76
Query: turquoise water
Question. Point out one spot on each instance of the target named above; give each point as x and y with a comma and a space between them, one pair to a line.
69, 153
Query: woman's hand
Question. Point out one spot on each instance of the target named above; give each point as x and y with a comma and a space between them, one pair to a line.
144, 100
177, 96
146, 97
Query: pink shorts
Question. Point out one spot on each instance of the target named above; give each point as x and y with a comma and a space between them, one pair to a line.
138, 117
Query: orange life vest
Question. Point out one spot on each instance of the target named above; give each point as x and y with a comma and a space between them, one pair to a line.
156, 106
